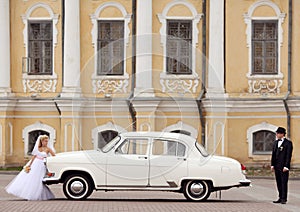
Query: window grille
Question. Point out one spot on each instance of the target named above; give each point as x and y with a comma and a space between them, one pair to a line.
110, 46
179, 47
264, 47
263, 142
40, 42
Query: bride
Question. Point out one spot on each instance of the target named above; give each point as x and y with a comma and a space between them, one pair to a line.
28, 183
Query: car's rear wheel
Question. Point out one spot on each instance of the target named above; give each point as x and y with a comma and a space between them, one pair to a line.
77, 187
196, 190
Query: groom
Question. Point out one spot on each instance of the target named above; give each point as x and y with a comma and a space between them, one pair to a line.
280, 163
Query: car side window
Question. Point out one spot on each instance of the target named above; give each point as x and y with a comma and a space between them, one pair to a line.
133, 147
181, 150
168, 148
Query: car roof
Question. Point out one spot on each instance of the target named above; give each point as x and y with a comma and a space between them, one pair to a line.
154, 134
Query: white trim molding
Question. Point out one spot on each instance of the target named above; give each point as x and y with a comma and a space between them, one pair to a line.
105, 127
40, 83
219, 126
251, 131
182, 126
264, 83
72, 137
146, 126
11, 144
179, 83
38, 126
110, 84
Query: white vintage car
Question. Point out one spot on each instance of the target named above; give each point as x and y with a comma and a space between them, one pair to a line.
147, 161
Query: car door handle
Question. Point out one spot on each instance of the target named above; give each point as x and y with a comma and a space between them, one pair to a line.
143, 157
184, 159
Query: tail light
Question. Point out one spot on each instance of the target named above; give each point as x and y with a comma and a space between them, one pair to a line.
49, 174
243, 168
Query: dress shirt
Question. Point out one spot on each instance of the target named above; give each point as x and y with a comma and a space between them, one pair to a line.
280, 141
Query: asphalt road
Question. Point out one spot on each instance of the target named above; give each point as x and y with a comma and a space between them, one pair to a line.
257, 198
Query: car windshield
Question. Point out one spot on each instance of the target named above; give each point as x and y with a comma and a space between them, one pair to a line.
110, 144
201, 149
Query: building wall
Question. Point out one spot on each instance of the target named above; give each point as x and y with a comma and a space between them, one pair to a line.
161, 102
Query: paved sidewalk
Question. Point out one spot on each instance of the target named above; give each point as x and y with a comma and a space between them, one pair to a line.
257, 198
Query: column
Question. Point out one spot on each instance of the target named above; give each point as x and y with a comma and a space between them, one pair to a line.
5, 89
215, 84
144, 49
71, 78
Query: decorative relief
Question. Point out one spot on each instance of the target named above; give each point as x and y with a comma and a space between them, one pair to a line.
264, 85
183, 83
109, 85
39, 85
176, 85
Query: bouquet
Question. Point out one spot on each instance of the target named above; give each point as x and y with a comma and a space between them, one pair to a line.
27, 169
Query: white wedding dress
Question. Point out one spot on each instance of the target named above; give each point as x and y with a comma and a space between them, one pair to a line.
29, 185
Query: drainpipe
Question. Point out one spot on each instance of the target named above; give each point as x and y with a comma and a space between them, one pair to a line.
133, 66
288, 114
203, 87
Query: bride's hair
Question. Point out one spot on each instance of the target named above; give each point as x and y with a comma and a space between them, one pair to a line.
42, 137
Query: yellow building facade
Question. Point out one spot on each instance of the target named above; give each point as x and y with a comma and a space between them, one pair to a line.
81, 71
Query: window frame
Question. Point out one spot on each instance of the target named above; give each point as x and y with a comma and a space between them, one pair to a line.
264, 152
37, 126
178, 41
250, 132
39, 132
47, 83
108, 84
110, 42
41, 49
264, 41
262, 83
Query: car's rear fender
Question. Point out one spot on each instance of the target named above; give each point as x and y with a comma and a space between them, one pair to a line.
185, 180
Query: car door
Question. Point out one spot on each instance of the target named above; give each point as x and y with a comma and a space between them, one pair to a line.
129, 164
168, 162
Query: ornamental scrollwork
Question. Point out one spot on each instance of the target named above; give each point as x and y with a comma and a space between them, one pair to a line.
109, 86
39, 85
179, 85
264, 86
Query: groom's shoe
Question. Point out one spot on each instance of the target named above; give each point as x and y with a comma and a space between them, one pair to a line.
277, 201
283, 201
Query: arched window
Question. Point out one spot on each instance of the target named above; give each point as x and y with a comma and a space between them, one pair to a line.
260, 140
179, 38
264, 41
182, 132
110, 38
31, 133
40, 39
105, 136
263, 142
182, 128
101, 135
32, 136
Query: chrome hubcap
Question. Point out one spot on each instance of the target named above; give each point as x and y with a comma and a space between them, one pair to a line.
196, 188
77, 187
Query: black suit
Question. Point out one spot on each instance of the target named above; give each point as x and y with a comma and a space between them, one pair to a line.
281, 157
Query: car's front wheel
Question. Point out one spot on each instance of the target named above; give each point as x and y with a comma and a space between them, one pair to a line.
196, 190
77, 187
